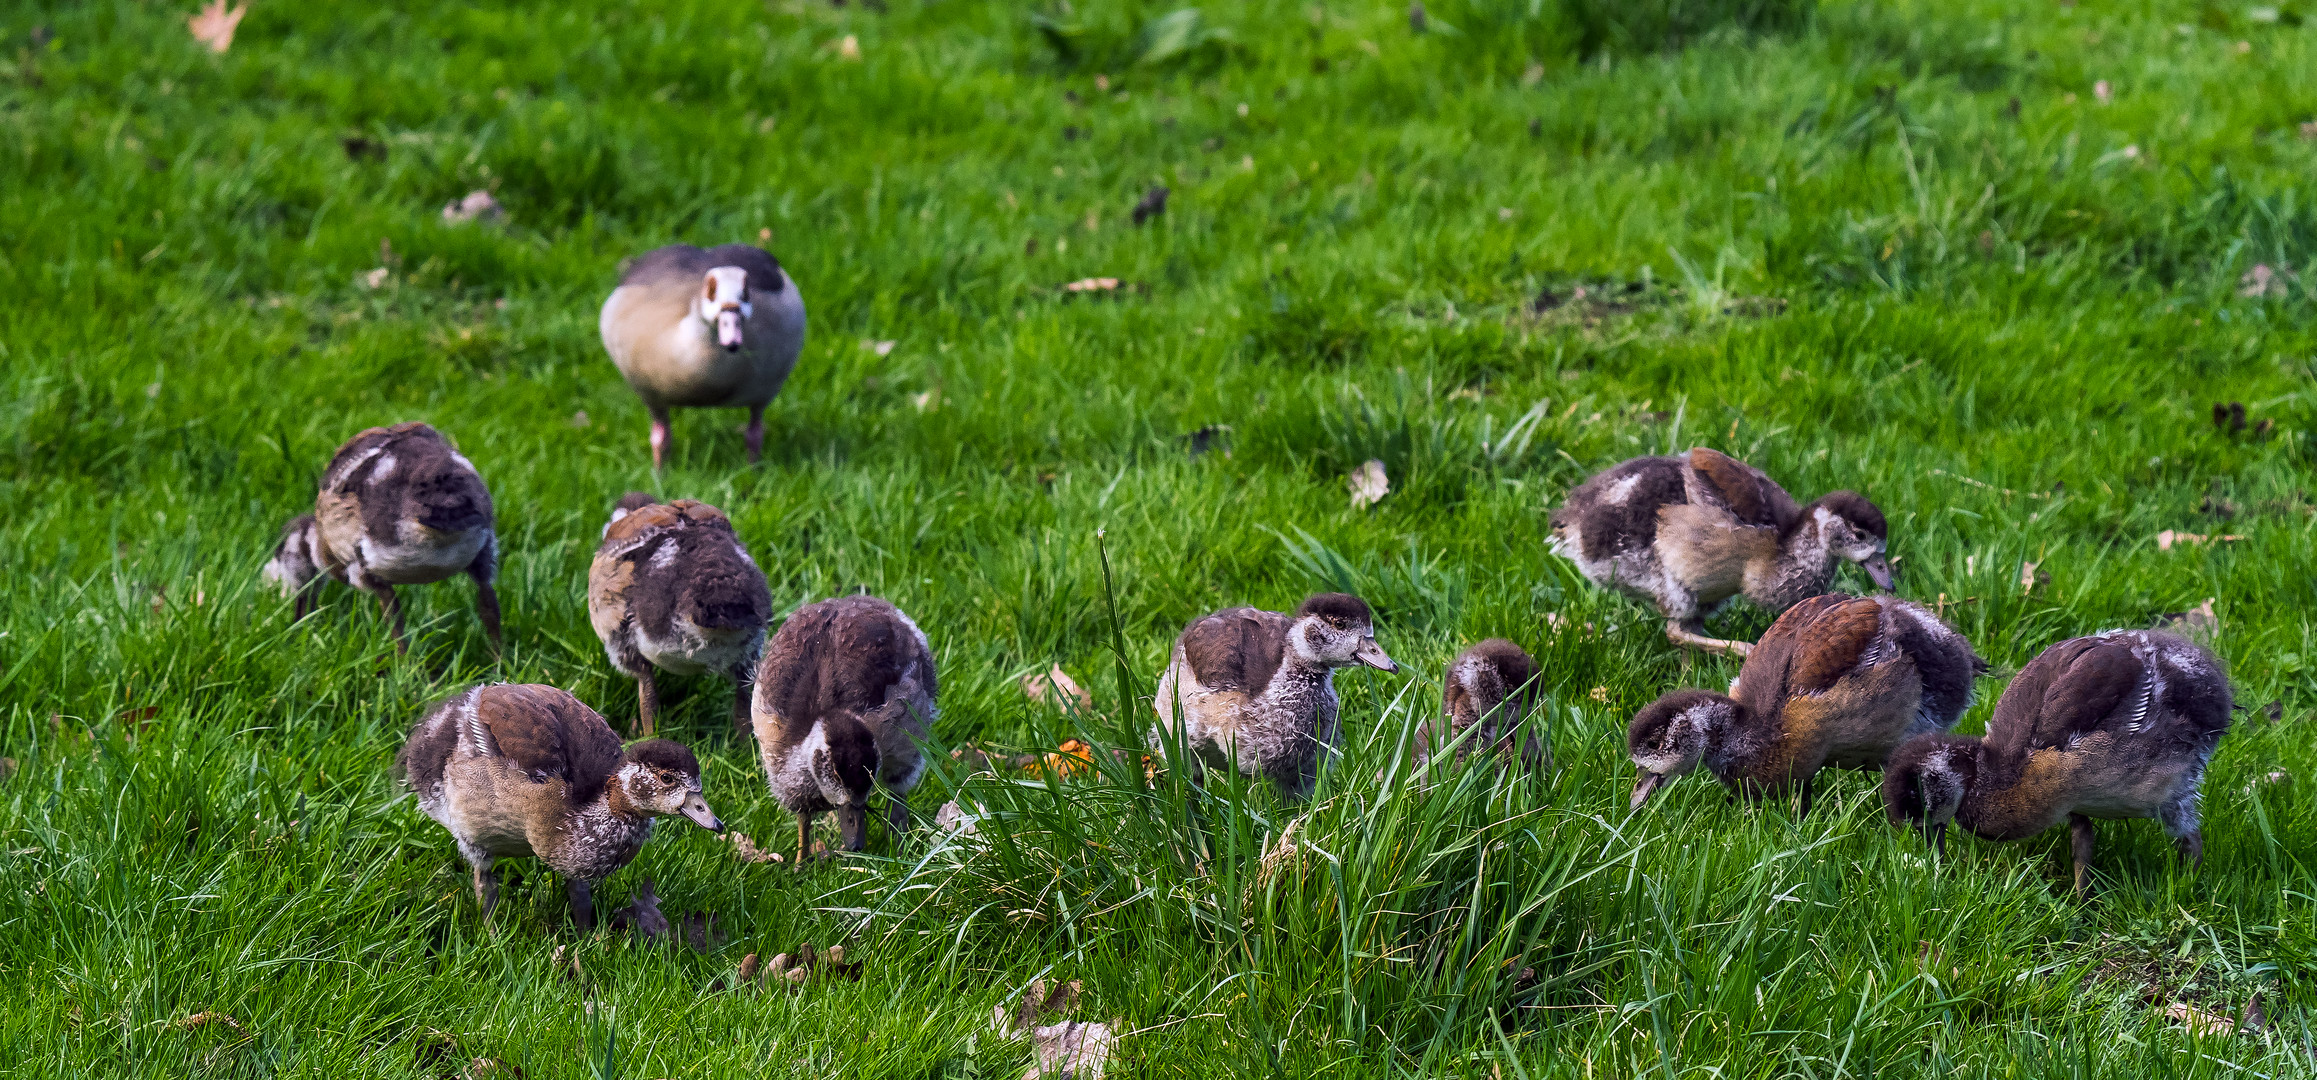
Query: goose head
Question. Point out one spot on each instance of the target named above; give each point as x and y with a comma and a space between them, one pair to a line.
1337, 630
1854, 529
1924, 782
1669, 736
662, 779
723, 304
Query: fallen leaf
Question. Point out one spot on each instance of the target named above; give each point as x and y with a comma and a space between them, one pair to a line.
953, 818
488, 1067
2102, 92
642, 915
749, 970
138, 719
881, 348
376, 279
579, 419
2200, 1021
927, 401
2265, 280
1368, 484
747, 849
2168, 538
2309, 129
214, 25
205, 1018
1072, 758
1532, 75
1072, 1051
1092, 284
2030, 577
477, 206
849, 48
1058, 689
1154, 203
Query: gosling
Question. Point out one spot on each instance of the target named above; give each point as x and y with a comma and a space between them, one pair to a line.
671, 587
2116, 725
844, 697
1256, 689
1836, 681
1687, 533
1491, 690
398, 506
528, 771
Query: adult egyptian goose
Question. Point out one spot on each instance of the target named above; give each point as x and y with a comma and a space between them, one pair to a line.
843, 698
528, 771
2116, 725
671, 587
714, 328
1691, 531
398, 506
1836, 681
1256, 689
1491, 686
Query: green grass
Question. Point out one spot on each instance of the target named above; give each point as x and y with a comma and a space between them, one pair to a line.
1904, 248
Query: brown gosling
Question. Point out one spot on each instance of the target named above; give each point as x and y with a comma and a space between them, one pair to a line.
1837, 681
2116, 725
671, 587
398, 506
1491, 687
843, 698
1687, 533
528, 771
714, 328
1257, 688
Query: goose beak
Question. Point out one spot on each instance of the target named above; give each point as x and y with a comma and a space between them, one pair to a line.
696, 808
1878, 568
1646, 785
1372, 654
728, 329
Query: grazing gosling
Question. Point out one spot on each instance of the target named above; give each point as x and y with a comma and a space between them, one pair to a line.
1257, 688
1689, 532
398, 506
1491, 686
714, 328
844, 696
528, 771
1836, 681
672, 587
2116, 725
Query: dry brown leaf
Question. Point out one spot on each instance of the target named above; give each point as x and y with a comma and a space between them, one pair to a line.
483, 1067
214, 25
1368, 484
749, 970
1058, 689
748, 851
1072, 1050
205, 1018
2200, 621
2200, 1021
2030, 577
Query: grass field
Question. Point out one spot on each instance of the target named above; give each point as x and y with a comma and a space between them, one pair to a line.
1987, 263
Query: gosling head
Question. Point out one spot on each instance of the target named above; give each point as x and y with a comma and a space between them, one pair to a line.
723, 303
662, 779
1669, 736
1337, 630
1854, 529
1924, 782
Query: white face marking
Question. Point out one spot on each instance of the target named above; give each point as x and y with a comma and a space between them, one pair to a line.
1622, 490
722, 289
664, 558
463, 463
385, 467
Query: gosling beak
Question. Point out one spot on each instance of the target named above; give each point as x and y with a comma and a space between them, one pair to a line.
1939, 839
1646, 785
728, 329
1878, 568
1372, 654
696, 808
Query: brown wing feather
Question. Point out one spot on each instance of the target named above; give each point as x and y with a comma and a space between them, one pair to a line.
1741, 488
2068, 690
1762, 682
550, 735
1837, 638
1238, 649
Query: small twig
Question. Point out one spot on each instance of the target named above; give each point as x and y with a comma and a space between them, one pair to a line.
1170, 1023
1990, 487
